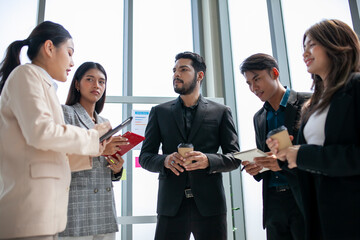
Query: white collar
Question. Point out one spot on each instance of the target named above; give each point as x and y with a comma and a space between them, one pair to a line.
51, 79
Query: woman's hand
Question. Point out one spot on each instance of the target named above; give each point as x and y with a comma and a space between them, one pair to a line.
115, 163
115, 145
102, 128
102, 146
288, 154
291, 155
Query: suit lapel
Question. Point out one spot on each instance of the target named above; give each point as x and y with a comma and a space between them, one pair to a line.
84, 116
336, 115
261, 123
290, 112
199, 117
177, 113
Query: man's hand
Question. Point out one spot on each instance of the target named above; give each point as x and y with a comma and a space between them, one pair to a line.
251, 168
195, 160
174, 162
288, 154
269, 162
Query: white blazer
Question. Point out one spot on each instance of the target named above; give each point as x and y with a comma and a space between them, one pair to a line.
34, 167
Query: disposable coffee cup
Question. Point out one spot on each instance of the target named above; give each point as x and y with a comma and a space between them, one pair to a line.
184, 148
282, 135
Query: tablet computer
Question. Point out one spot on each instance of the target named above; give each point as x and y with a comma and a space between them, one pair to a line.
134, 139
117, 129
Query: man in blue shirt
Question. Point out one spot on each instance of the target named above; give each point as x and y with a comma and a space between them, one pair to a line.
281, 215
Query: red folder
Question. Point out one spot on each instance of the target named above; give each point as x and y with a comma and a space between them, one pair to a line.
134, 139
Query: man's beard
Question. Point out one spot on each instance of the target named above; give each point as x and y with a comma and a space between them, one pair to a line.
186, 91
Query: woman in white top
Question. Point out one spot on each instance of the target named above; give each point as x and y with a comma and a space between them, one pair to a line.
35, 143
328, 154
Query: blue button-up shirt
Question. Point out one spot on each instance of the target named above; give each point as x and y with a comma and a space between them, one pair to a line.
275, 119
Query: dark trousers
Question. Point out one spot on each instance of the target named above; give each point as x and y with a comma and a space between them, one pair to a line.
284, 220
188, 220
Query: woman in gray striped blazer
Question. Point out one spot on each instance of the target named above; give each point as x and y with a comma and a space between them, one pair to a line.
91, 210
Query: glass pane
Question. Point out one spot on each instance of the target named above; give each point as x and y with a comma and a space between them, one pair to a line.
296, 25
113, 112
250, 34
145, 189
145, 183
144, 231
96, 28
158, 36
23, 15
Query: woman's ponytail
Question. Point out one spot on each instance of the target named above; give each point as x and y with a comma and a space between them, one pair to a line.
44, 31
11, 60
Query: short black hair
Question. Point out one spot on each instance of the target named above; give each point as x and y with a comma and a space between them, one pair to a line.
258, 61
198, 61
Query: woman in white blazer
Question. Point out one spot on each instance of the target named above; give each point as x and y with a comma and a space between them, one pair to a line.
91, 210
35, 143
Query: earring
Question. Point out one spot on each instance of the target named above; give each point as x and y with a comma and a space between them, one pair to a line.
77, 90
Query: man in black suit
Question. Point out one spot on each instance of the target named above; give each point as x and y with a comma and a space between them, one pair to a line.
281, 215
191, 196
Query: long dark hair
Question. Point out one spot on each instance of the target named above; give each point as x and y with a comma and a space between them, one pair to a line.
74, 95
343, 49
41, 33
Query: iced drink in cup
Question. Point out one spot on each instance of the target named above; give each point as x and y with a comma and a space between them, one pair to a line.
281, 134
184, 148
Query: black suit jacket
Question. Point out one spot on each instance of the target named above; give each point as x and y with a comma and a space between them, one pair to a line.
329, 175
292, 118
212, 128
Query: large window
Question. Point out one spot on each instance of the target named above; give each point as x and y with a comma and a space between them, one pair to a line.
97, 31
162, 28
298, 17
250, 34
159, 34
20, 13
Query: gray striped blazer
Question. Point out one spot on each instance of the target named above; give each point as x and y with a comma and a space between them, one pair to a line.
91, 209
